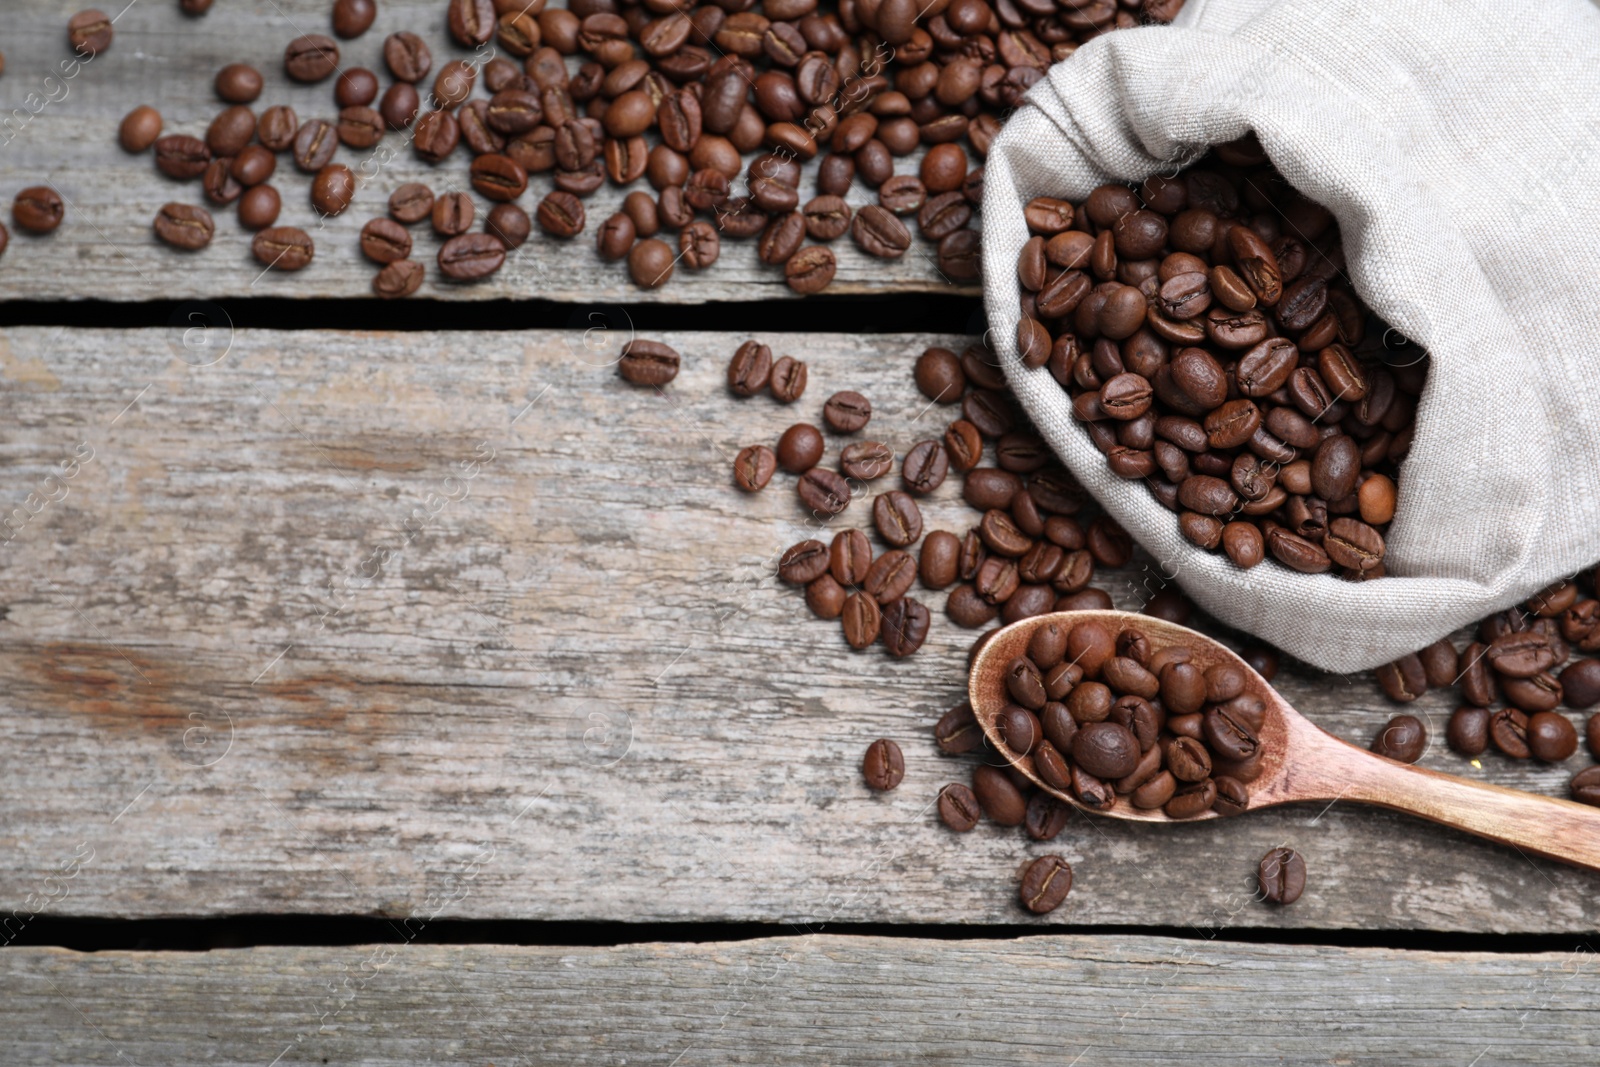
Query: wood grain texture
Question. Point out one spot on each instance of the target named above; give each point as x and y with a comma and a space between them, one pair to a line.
63, 130
271, 650
808, 1000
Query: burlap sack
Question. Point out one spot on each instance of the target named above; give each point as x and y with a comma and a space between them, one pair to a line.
1458, 145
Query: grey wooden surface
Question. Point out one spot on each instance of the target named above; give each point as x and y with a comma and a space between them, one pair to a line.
65, 134
1091, 1001
242, 678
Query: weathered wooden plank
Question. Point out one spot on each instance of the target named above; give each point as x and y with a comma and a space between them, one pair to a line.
822, 999
575, 691
64, 130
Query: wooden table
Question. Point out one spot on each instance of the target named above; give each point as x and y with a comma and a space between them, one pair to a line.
448, 627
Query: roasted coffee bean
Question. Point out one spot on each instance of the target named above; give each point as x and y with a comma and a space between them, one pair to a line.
311, 58
139, 129
1508, 729
1403, 738
788, 380
850, 557
238, 83
846, 412
355, 88
749, 369
1586, 786
452, 214
877, 232
1551, 736
890, 576
862, 620
905, 626
1048, 879
939, 376
866, 460
510, 224
412, 202
498, 177
1105, 750
352, 18
1227, 736
184, 226
283, 248
800, 448
650, 263
1001, 800
252, 166
823, 491
1191, 800
1580, 684
1232, 796
1542, 692
883, 766
753, 468
810, 269
218, 182
1468, 731
648, 362
957, 731
1046, 817
400, 105
897, 518
258, 207
180, 156
939, 565
471, 256
925, 467
399, 279
332, 189
314, 145
560, 214
958, 807
1521, 655
1282, 874
804, 562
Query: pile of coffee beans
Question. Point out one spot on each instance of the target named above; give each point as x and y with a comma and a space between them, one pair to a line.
715, 108
1213, 348
1524, 658
1104, 715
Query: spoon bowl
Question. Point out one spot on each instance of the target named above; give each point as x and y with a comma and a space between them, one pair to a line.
1300, 761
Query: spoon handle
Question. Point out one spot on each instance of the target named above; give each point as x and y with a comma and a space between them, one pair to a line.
1538, 825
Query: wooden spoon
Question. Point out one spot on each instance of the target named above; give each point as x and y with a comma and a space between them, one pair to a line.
1303, 762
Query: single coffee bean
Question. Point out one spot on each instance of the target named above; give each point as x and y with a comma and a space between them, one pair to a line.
283, 248
1195, 798
560, 214
1508, 729
847, 412
218, 182
1439, 663
510, 224
1046, 817
1282, 874
939, 376
957, 731
897, 518
958, 807
181, 156
1551, 736
650, 263
1586, 786
940, 561
332, 189
866, 460
788, 380
850, 557
252, 166
800, 448
753, 468
1232, 796
139, 129
355, 88
823, 491
803, 563
750, 369
1404, 679
352, 18
1047, 880
905, 626
1521, 655
883, 766
648, 362
1000, 799
412, 202
1403, 738
311, 58
862, 619
184, 226
1106, 750
1580, 683
385, 241
1468, 731
452, 214
258, 207
314, 145
925, 467
89, 32
810, 269
398, 279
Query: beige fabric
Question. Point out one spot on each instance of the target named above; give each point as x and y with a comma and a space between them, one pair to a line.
1458, 144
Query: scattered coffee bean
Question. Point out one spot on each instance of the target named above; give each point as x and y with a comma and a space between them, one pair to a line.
1404, 738
283, 248
38, 209
184, 226
958, 807
1046, 884
648, 362
800, 448
1282, 876
139, 129
753, 468
883, 766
